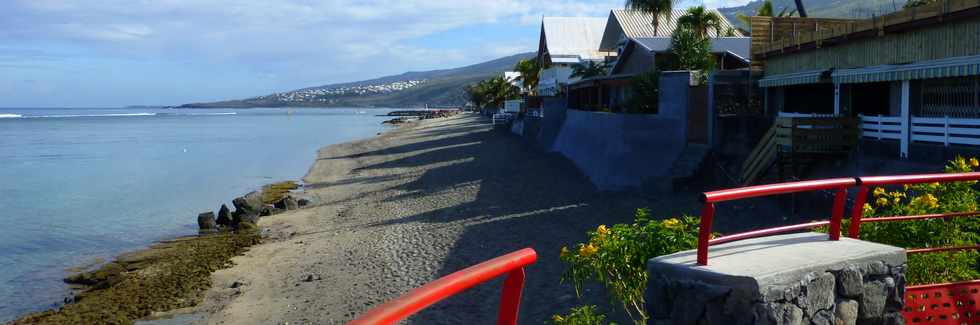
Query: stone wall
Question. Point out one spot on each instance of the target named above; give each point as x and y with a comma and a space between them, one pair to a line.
864, 288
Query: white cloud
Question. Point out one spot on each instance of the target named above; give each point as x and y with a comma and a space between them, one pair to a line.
297, 42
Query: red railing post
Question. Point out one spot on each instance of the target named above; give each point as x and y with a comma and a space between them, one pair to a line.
857, 212
704, 234
420, 298
510, 300
838, 214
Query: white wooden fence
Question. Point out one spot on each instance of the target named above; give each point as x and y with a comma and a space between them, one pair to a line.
946, 130
881, 127
943, 130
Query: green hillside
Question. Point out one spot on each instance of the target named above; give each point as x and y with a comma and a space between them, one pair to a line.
436, 87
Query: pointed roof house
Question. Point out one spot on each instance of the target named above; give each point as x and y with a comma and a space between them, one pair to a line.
571, 40
625, 25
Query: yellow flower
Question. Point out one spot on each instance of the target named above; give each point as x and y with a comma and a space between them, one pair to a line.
897, 200
868, 210
564, 251
602, 230
974, 162
587, 250
882, 202
671, 223
879, 191
557, 318
931, 201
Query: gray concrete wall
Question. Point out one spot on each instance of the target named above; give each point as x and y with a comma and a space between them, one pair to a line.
554, 117
788, 279
620, 151
674, 94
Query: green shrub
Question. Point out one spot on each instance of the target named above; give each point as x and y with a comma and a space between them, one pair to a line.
585, 315
929, 199
616, 256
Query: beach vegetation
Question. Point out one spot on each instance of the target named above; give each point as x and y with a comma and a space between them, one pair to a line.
930, 198
645, 97
530, 71
616, 256
492, 92
170, 275
590, 69
692, 51
700, 21
585, 315
275, 192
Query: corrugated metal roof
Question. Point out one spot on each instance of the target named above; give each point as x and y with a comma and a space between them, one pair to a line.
631, 24
736, 45
574, 36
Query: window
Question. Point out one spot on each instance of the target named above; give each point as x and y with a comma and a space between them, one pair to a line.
953, 97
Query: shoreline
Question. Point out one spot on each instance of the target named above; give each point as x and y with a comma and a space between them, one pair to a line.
102, 273
396, 211
414, 203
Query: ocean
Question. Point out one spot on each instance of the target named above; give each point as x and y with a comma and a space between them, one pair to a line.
78, 186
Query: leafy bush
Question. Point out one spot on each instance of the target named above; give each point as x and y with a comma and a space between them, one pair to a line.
646, 93
929, 199
585, 315
616, 256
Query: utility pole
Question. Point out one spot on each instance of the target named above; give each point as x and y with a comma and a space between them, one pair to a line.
800, 9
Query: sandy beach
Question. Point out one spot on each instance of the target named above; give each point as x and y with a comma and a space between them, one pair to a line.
411, 205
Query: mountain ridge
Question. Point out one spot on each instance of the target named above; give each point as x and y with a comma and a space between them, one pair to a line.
819, 8
440, 87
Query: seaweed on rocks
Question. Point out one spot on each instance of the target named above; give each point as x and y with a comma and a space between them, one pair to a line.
170, 275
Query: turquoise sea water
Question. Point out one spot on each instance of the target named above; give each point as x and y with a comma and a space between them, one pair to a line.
81, 184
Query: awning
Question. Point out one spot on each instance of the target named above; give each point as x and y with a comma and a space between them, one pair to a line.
789, 79
943, 68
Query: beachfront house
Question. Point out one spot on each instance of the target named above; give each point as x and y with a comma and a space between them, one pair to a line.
565, 42
907, 81
639, 48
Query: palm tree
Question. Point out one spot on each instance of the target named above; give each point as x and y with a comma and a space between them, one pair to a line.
529, 69
656, 8
700, 20
589, 69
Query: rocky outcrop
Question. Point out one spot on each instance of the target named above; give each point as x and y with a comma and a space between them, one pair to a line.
224, 216
303, 203
207, 222
248, 208
287, 203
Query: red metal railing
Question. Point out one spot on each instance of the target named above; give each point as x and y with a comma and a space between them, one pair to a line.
511, 264
947, 303
840, 185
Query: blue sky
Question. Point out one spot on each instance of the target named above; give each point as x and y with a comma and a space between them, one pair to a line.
108, 53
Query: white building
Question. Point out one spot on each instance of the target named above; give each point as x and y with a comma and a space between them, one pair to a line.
565, 42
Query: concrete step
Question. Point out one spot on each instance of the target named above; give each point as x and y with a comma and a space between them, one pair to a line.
689, 162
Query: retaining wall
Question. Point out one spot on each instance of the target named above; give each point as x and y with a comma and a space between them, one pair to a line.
620, 151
